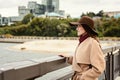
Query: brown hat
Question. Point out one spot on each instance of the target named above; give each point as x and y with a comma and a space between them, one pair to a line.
87, 21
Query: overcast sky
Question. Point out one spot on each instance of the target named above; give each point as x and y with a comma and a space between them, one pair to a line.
72, 7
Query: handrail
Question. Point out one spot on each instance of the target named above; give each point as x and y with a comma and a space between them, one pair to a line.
34, 68
61, 74
110, 48
30, 69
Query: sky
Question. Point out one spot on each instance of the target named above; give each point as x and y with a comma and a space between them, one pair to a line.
73, 7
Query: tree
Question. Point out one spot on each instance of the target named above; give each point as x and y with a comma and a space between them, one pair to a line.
83, 14
113, 32
100, 13
2, 31
62, 29
90, 14
27, 18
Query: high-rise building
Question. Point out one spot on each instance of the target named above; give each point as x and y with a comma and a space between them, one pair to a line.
36, 9
56, 5
32, 5
40, 9
51, 5
33, 8
22, 10
3, 20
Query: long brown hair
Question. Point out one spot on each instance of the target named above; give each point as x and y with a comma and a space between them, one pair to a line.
90, 32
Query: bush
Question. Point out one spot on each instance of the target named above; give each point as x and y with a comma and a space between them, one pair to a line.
8, 36
113, 32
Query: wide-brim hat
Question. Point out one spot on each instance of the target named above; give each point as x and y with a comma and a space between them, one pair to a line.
87, 21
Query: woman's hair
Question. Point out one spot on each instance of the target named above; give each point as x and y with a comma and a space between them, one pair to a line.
90, 32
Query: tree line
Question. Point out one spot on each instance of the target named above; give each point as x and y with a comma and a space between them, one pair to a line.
34, 26
40, 27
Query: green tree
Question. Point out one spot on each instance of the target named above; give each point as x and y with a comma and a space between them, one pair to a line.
83, 14
100, 13
27, 18
90, 14
2, 31
113, 32
62, 29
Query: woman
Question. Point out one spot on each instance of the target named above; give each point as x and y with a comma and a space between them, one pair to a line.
88, 61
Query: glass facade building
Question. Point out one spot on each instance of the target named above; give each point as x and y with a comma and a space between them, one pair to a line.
51, 5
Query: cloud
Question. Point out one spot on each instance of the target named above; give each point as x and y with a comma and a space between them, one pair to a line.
8, 3
76, 7
7, 12
15, 3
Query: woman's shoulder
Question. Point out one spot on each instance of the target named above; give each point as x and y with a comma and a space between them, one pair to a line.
93, 41
90, 42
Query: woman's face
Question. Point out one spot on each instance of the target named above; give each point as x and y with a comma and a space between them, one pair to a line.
80, 30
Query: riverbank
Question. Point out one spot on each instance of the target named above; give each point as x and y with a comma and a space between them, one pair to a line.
55, 46
48, 46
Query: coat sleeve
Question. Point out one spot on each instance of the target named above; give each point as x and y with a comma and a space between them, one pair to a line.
69, 59
97, 61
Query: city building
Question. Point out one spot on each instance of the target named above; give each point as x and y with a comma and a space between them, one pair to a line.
61, 12
48, 4
4, 20
32, 7
47, 8
54, 15
51, 5
22, 11
112, 13
56, 5
36, 9
15, 18
117, 16
39, 10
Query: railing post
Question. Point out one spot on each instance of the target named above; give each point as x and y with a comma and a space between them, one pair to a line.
108, 66
119, 62
112, 66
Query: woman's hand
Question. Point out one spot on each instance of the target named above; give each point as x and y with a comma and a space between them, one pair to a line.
64, 55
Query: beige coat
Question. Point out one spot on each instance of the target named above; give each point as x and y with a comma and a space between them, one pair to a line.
86, 54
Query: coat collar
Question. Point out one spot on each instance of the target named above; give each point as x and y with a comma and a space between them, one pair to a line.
83, 37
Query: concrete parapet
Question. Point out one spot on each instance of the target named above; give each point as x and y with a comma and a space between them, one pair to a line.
30, 69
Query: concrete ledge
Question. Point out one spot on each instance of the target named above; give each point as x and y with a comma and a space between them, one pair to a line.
60, 74
30, 69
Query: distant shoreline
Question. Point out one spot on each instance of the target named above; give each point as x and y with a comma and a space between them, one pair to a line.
22, 39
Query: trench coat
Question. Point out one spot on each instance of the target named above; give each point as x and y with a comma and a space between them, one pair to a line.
88, 61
